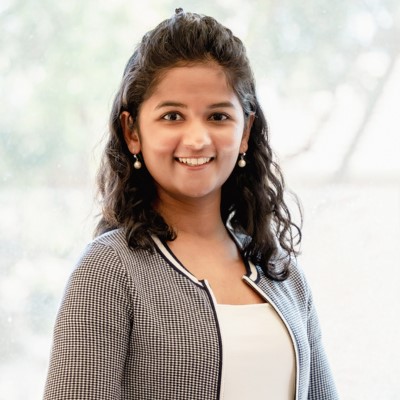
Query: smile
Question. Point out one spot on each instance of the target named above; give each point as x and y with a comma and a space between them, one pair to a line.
194, 162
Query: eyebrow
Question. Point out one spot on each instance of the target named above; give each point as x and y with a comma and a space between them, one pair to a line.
224, 104
170, 104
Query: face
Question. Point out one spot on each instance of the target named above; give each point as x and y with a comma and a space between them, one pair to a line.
190, 132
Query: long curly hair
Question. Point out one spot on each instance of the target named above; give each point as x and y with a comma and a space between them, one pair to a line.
252, 201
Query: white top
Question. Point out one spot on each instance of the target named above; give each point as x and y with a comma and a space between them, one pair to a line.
258, 359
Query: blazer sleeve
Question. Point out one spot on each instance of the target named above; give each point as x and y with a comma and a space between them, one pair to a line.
92, 330
322, 386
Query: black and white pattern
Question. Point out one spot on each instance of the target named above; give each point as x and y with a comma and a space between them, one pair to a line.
137, 325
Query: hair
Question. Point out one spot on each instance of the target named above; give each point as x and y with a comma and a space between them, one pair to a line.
252, 201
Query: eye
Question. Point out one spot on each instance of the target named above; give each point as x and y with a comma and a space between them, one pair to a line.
218, 117
172, 116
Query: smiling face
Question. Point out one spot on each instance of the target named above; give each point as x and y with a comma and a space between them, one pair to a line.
189, 131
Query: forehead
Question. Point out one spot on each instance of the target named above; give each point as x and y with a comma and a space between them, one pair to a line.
191, 79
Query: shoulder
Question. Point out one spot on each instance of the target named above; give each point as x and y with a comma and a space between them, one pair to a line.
103, 261
114, 239
110, 254
112, 244
291, 295
99, 284
296, 278
103, 249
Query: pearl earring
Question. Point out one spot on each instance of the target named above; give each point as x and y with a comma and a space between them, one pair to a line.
137, 164
242, 161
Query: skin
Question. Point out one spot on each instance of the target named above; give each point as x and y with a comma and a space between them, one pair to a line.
190, 132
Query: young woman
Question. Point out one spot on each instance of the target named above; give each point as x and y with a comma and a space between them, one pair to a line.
190, 290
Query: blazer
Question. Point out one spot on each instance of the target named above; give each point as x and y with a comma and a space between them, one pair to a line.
135, 324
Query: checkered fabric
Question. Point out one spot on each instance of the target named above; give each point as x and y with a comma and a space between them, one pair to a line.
137, 325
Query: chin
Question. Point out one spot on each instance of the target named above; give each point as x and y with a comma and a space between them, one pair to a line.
200, 194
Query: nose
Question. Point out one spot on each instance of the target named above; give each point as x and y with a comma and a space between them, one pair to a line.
196, 135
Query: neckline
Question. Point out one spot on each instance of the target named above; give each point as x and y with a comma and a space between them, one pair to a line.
169, 256
237, 306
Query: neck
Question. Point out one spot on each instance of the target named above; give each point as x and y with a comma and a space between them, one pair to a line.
201, 218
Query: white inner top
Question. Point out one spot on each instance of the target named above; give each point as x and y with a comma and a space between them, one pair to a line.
258, 355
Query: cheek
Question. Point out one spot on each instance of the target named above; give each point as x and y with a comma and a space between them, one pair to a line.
232, 141
158, 144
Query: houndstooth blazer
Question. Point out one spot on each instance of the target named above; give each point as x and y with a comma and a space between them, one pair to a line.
138, 325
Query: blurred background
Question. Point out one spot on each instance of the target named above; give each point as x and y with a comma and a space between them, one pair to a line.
328, 76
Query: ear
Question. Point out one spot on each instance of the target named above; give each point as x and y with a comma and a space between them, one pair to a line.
246, 133
130, 131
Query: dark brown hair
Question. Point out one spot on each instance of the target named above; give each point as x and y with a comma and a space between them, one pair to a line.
252, 197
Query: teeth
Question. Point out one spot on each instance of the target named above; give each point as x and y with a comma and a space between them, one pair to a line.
193, 162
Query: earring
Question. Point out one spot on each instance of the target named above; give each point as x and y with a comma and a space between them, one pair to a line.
137, 164
242, 162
